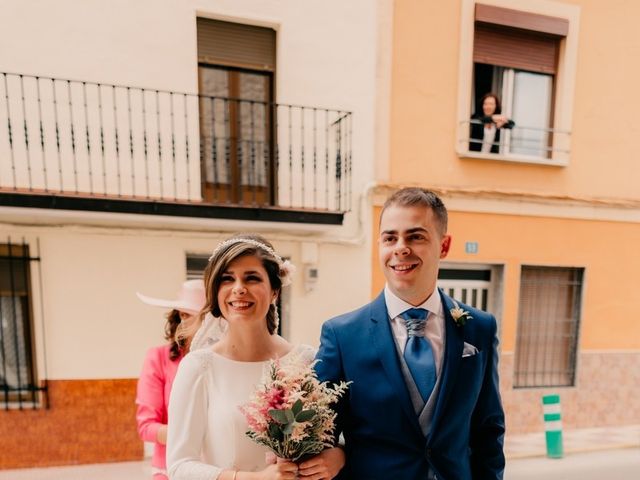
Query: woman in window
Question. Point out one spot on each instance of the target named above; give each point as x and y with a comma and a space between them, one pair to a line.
206, 438
485, 127
160, 366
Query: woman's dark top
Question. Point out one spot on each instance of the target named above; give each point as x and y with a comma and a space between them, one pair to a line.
477, 133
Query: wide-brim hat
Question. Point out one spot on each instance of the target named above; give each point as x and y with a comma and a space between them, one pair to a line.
191, 298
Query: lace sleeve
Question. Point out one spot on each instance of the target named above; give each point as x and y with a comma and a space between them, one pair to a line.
188, 421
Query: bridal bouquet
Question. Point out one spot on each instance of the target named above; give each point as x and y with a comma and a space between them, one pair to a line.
290, 411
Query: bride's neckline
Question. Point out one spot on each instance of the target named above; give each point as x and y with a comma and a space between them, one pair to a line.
256, 362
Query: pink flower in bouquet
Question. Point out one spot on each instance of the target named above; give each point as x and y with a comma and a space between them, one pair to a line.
275, 398
290, 412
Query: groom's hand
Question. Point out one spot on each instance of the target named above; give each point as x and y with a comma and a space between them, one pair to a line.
323, 466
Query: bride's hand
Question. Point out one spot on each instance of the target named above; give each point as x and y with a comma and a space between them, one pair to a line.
282, 470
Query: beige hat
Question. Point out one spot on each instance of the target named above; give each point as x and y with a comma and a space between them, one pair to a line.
191, 298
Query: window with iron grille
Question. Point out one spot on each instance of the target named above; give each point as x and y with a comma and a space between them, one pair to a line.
18, 380
515, 57
548, 322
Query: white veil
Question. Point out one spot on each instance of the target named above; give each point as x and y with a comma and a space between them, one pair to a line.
211, 330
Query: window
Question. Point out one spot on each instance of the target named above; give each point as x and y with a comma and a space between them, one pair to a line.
525, 96
528, 60
469, 286
477, 285
18, 383
196, 264
236, 66
548, 320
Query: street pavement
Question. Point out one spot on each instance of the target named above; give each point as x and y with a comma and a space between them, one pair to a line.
623, 464
590, 454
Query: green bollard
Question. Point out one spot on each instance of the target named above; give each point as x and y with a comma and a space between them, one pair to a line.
553, 425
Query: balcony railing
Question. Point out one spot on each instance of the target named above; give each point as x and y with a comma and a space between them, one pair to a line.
522, 143
86, 140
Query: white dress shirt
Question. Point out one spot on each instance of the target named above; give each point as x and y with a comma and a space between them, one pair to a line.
488, 138
434, 331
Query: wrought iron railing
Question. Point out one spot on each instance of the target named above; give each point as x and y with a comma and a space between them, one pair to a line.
87, 139
521, 141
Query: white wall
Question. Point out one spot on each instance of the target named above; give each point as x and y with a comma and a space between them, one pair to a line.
327, 56
94, 325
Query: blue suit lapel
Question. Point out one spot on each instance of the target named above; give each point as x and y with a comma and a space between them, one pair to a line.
384, 342
454, 344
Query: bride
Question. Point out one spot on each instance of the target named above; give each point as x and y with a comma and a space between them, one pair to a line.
206, 436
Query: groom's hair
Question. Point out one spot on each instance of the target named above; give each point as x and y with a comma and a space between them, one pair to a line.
421, 197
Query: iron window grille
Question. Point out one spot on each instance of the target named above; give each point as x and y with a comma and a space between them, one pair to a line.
548, 323
19, 385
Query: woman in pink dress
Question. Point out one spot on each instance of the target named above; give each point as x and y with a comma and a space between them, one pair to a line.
160, 366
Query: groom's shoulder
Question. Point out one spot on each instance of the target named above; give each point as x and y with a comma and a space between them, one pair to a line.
351, 318
479, 318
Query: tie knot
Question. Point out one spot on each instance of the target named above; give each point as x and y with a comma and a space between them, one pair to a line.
416, 320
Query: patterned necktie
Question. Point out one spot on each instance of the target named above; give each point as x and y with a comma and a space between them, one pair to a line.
418, 353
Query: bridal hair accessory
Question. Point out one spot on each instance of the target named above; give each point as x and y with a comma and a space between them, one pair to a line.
287, 269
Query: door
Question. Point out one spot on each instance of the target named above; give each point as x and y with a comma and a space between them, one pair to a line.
236, 117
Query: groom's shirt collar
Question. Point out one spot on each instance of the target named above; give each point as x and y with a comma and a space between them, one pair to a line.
435, 329
395, 305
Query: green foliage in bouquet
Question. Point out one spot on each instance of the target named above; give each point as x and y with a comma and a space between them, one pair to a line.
290, 412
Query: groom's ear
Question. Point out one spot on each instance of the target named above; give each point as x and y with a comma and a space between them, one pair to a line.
445, 245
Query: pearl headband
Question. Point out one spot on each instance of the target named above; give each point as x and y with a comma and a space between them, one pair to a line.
287, 269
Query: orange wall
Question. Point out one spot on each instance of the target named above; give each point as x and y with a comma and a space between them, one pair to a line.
425, 79
88, 421
607, 251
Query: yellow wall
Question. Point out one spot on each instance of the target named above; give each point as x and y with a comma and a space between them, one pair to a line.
605, 127
607, 251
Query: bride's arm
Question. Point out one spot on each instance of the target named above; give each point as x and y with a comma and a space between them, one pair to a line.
188, 422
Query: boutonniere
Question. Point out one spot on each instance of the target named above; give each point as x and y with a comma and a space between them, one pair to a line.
460, 316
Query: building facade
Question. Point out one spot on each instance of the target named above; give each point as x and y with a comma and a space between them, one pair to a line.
137, 135
546, 220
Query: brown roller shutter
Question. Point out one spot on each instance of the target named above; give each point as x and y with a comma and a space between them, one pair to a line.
236, 45
522, 20
515, 48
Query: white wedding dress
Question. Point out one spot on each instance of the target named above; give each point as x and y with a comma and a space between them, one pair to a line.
206, 433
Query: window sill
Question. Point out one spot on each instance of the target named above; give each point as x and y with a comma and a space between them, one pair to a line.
513, 158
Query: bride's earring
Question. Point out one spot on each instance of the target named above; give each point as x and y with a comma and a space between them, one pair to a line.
276, 317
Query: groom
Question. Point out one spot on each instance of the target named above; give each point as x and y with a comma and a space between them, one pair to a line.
424, 402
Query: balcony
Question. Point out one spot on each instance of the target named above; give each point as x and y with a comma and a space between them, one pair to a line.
77, 145
521, 144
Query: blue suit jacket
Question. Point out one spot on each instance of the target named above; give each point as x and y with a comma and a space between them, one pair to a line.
381, 430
